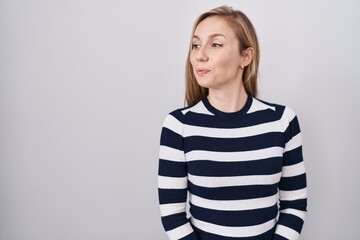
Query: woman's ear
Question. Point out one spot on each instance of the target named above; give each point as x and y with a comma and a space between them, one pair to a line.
247, 56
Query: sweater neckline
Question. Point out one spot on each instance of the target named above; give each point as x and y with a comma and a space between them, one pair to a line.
222, 114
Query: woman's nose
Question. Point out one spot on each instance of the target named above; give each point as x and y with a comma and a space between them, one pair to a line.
201, 55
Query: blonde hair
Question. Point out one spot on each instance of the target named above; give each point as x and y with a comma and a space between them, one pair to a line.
245, 32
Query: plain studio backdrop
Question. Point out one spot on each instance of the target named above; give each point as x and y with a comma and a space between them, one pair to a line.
85, 87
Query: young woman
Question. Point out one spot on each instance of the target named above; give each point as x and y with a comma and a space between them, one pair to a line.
238, 158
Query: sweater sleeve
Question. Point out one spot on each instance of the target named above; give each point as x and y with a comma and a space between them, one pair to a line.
292, 186
172, 182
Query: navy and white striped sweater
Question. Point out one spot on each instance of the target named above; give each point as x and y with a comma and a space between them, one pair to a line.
243, 172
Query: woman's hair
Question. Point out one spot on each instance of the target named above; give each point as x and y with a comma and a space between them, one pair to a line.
246, 35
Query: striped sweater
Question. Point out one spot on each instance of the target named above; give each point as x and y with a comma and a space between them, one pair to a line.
242, 173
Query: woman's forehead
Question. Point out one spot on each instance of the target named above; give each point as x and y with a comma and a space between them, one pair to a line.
213, 27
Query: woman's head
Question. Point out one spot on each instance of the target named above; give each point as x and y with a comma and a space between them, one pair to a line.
237, 29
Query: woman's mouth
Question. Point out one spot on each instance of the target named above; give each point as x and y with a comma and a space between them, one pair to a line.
202, 71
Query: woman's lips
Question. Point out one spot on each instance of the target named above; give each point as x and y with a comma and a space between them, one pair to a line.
202, 71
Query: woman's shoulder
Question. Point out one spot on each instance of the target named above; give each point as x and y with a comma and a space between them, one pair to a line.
282, 112
178, 113
182, 112
176, 117
276, 107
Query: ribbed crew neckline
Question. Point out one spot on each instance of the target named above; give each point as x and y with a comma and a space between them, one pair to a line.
222, 114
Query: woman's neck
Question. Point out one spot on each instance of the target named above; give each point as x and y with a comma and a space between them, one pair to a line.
228, 101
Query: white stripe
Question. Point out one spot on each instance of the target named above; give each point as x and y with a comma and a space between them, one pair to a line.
259, 106
171, 154
274, 126
293, 170
287, 232
172, 208
173, 124
198, 108
235, 156
295, 212
234, 205
293, 195
286, 118
212, 182
172, 182
180, 232
293, 143
288, 115
248, 231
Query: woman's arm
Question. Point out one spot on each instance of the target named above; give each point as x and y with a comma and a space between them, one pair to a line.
292, 187
172, 182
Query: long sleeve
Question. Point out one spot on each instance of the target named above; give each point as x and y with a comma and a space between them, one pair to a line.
292, 186
172, 182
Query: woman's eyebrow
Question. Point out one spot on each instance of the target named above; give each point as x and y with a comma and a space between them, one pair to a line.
211, 36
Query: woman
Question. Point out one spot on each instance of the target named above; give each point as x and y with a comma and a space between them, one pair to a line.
236, 157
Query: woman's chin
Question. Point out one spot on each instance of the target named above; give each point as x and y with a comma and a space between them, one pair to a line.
205, 84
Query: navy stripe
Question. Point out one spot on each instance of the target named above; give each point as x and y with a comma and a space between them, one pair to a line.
252, 119
171, 139
172, 195
245, 168
278, 237
293, 183
179, 115
292, 130
209, 236
293, 157
234, 192
172, 169
299, 204
173, 221
291, 221
235, 218
261, 117
261, 141
191, 236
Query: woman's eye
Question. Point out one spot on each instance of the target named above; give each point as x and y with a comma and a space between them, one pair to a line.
216, 45
195, 46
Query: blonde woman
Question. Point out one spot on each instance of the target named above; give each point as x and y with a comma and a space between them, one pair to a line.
238, 158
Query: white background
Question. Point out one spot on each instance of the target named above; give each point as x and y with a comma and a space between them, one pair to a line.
85, 86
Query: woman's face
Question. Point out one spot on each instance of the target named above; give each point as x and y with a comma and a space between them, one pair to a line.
215, 55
